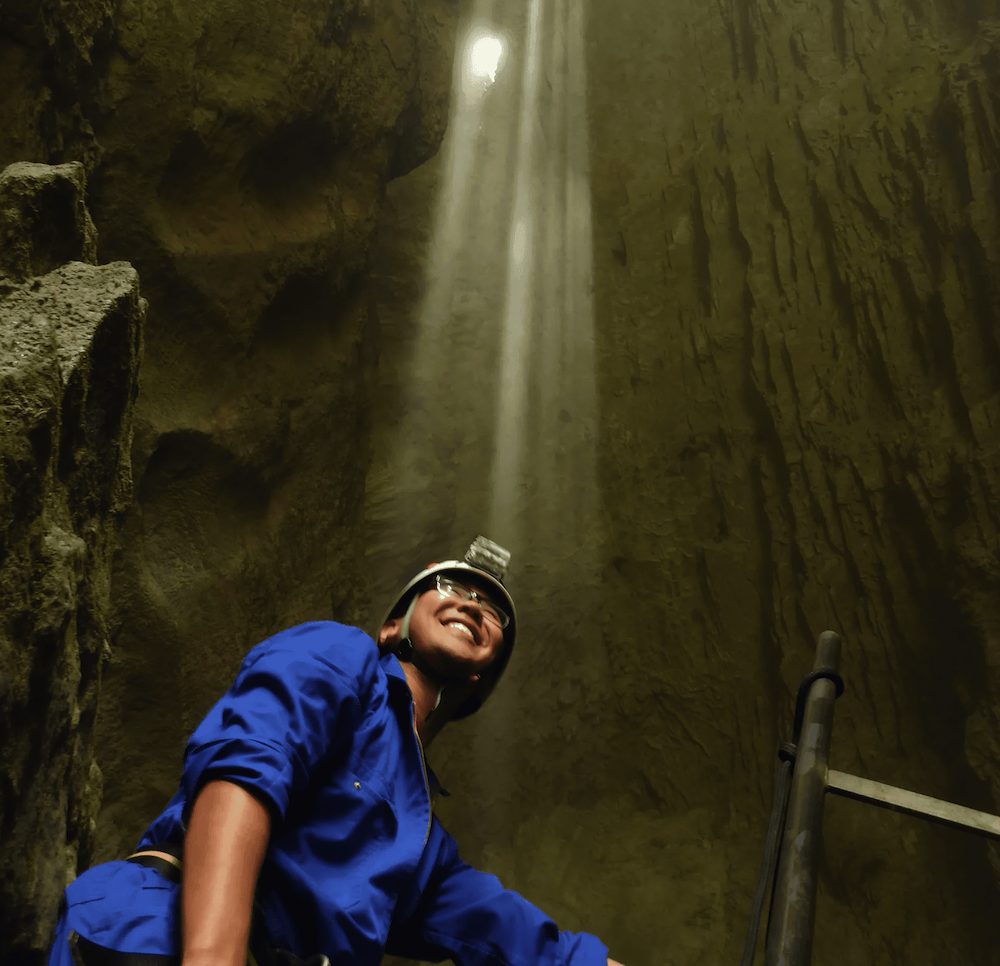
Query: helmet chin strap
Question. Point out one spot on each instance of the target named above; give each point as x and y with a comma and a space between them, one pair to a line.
404, 650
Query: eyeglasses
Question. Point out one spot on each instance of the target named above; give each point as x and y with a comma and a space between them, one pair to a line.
449, 587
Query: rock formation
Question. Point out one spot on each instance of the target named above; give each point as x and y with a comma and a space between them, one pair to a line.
238, 156
795, 305
761, 242
68, 378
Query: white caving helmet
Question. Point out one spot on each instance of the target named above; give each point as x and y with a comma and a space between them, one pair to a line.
487, 562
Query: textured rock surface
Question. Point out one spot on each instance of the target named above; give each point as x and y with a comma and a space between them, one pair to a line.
823, 234
67, 386
238, 153
795, 300
44, 222
248, 203
792, 417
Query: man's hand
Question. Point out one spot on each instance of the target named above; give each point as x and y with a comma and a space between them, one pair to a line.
614, 962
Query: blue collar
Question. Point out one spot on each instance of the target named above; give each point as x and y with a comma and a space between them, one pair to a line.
398, 683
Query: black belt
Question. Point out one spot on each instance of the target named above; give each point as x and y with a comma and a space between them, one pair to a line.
86, 953
169, 868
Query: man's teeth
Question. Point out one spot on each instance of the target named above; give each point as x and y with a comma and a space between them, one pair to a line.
460, 627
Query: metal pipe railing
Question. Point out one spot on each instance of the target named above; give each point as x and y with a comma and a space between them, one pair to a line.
790, 931
793, 905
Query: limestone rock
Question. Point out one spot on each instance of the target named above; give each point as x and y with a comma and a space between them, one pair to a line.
44, 220
247, 202
237, 156
792, 416
68, 379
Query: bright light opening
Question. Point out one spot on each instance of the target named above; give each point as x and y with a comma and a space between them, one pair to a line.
484, 57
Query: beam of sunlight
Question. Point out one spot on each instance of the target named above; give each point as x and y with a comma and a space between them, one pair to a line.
495, 431
511, 439
544, 473
429, 429
460, 151
484, 57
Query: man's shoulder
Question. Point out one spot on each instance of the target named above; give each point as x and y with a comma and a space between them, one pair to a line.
346, 650
325, 634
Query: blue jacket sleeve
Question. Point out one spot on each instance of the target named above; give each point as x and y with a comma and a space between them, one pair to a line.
293, 696
469, 916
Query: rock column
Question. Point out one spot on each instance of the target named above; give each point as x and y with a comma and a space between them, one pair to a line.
71, 332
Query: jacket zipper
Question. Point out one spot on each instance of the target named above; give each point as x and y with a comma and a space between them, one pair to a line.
423, 769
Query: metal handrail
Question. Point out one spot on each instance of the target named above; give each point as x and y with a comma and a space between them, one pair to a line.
793, 903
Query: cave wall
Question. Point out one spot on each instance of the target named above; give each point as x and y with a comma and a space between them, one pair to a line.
795, 302
71, 332
810, 283
792, 366
237, 155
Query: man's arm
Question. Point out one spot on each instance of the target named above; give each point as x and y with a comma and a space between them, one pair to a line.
468, 916
224, 846
296, 696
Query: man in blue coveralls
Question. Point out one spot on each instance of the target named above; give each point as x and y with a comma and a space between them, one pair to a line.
303, 820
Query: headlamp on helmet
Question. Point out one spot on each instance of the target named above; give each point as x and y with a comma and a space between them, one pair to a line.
487, 562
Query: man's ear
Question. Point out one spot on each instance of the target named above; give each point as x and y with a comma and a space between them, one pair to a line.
390, 631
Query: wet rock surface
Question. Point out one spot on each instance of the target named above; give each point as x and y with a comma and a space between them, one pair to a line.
68, 379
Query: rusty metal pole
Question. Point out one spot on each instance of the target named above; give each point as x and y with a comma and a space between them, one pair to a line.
790, 932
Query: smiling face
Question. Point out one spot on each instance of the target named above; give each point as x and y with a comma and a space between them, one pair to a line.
451, 634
